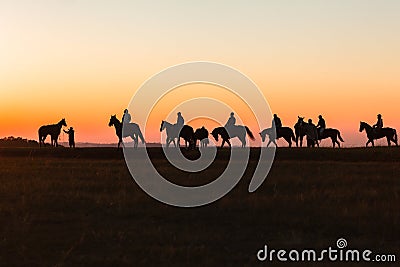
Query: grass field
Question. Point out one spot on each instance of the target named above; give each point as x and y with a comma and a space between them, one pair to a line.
62, 207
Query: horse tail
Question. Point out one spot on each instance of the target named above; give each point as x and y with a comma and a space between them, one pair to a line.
141, 136
249, 133
395, 135
340, 138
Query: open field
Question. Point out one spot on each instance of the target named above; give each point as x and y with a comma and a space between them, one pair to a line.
81, 207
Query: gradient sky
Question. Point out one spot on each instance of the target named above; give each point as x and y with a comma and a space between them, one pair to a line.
84, 60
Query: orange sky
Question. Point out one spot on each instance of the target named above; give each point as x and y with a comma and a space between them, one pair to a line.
84, 61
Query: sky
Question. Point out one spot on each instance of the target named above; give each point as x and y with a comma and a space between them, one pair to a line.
84, 60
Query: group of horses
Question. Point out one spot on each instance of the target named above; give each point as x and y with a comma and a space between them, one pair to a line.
301, 130
175, 133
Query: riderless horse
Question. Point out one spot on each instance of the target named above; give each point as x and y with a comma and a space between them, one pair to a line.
285, 132
202, 135
238, 131
173, 132
53, 130
374, 133
126, 130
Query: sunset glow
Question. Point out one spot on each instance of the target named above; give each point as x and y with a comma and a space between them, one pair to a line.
84, 60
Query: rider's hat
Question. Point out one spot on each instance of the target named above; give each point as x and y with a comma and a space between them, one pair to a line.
179, 113
126, 110
309, 120
320, 116
379, 115
232, 113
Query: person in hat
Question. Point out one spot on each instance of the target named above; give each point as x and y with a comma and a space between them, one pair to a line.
379, 124
71, 137
321, 125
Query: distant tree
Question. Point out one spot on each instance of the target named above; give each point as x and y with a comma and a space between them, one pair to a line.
12, 141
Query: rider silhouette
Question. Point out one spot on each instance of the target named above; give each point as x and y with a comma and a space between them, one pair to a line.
71, 137
379, 124
126, 118
231, 122
321, 125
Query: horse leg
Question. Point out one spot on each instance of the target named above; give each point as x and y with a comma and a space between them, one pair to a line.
388, 141
229, 143
269, 142
223, 142
275, 143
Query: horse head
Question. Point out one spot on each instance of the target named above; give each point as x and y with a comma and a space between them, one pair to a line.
113, 120
63, 123
262, 134
162, 126
363, 126
214, 133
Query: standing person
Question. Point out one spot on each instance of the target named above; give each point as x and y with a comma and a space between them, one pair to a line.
180, 121
321, 125
312, 134
277, 123
126, 118
71, 137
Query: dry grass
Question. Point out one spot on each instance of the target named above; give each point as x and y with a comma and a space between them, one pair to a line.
67, 208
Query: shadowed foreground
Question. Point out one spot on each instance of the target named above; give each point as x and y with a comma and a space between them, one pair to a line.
81, 207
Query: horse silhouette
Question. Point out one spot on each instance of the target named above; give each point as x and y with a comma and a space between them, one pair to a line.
202, 135
132, 130
173, 133
389, 133
285, 132
238, 131
301, 131
53, 130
